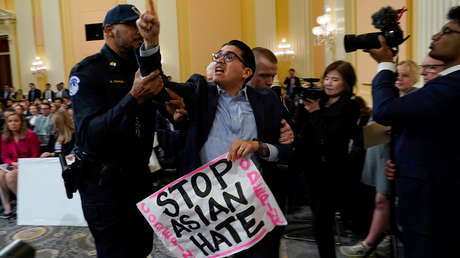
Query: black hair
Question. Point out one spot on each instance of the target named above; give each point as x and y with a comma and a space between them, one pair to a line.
454, 14
246, 55
346, 71
46, 104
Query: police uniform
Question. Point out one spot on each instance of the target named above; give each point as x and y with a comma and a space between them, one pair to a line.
115, 135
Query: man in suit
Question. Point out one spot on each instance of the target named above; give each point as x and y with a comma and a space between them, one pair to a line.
34, 93
291, 82
48, 93
427, 150
61, 91
266, 70
6, 93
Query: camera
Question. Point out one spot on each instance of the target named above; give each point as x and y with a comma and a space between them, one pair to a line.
313, 91
386, 20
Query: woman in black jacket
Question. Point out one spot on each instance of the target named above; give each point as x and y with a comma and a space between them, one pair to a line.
325, 127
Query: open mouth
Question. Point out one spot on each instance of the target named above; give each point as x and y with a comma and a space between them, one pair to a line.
218, 70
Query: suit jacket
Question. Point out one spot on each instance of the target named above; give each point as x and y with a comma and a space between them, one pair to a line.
426, 152
34, 94
64, 93
52, 95
201, 103
3, 98
287, 82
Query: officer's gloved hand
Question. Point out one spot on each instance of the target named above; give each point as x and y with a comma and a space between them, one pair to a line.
145, 88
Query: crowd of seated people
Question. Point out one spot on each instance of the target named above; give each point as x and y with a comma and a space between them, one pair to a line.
42, 128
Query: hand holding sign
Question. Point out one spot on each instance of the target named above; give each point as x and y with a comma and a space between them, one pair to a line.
217, 210
241, 148
149, 26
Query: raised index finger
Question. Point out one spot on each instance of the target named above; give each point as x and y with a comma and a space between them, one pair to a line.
151, 8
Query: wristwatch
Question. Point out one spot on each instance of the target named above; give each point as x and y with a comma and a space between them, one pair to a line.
261, 149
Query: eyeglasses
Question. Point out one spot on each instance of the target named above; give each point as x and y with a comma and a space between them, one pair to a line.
228, 57
448, 30
431, 68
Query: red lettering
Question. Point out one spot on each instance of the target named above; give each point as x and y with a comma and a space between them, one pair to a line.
245, 164
166, 233
273, 214
158, 226
143, 208
253, 177
188, 254
152, 218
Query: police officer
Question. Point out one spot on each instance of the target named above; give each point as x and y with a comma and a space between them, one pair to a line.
114, 119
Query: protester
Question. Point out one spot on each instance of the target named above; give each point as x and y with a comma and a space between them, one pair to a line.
291, 82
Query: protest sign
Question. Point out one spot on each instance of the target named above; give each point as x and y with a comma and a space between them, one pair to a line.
217, 210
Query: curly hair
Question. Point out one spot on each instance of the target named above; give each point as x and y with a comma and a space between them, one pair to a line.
454, 14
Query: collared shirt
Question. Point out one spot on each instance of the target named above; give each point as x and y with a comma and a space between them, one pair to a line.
48, 94
59, 93
450, 70
234, 119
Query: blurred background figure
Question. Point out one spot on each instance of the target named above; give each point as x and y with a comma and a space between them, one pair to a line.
291, 82
48, 93
62, 139
33, 110
17, 142
18, 95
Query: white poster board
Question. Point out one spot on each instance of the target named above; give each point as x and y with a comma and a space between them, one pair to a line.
42, 198
217, 210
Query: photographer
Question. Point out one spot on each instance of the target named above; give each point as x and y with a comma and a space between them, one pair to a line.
324, 128
426, 152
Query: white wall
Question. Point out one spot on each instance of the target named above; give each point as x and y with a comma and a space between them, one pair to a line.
265, 22
25, 32
169, 40
53, 41
300, 24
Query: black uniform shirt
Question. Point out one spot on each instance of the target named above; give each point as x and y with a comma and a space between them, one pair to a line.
110, 125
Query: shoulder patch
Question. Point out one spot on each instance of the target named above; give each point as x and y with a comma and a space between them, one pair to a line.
74, 85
